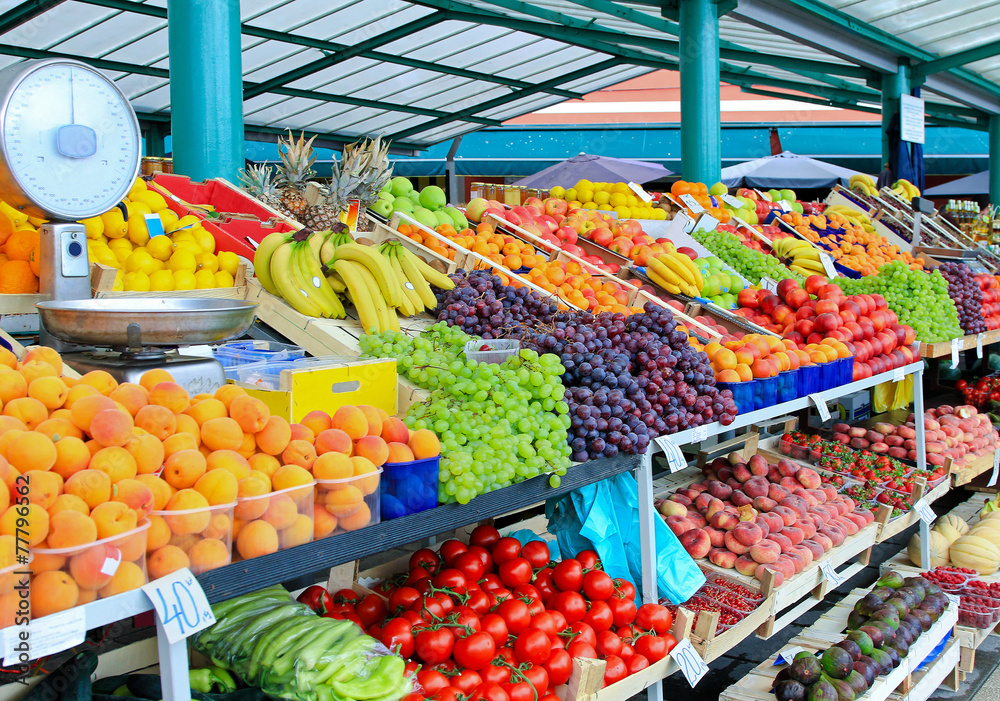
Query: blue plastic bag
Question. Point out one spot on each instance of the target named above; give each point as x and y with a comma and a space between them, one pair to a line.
604, 517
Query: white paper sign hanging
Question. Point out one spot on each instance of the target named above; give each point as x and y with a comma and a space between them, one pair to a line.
828, 266
956, 346
768, 284
821, 408
640, 193
788, 656
979, 344
691, 203
831, 575
675, 458
180, 604
692, 665
996, 468
706, 222
898, 374
924, 511
784, 206
732, 202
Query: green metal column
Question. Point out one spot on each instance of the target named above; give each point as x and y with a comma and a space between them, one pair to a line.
893, 85
701, 131
995, 159
206, 87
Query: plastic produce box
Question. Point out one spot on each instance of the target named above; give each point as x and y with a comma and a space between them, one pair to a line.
723, 582
348, 504
325, 383
68, 577
743, 394
201, 539
274, 521
498, 350
231, 355
765, 392
978, 611
409, 487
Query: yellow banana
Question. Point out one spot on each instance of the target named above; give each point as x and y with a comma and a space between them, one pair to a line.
421, 286
432, 276
382, 308
802, 271
679, 268
801, 254
377, 264
668, 286
288, 284
686, 261
409, 291
813, 265
662, 271
361, 296
313, 274
262, 259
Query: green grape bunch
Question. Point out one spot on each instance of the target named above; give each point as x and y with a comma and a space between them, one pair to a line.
750, 263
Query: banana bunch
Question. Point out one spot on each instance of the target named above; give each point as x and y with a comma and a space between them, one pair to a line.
802, 257
676, 273
313, 270
853, 215
865, 184
990, 506
905, 189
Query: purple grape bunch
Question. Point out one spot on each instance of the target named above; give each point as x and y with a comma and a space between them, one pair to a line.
966, 294
481, 305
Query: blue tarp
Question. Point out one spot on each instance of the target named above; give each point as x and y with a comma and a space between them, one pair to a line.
978, 184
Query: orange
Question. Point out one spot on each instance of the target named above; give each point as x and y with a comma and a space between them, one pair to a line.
21, 244
16, 277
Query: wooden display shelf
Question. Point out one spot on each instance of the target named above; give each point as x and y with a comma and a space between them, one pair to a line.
942, 349
963, 475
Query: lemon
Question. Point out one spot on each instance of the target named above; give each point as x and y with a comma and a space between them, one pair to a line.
121, 254
207, 261
15, 215
161, 281
604, 207
94, 226
158, 265
105, 256
602, 197
590, 204
154, 200
139, 261
204, 280
138, 186
138, 232
115, 244
181, 235
557, 191
224, 279
583, 185
136, 282
182, 260
620, 188
160, 247
138, 208
204, 239
623, 212
617, 199
570, 194
189, 246
188, 220
230, 262
184, 280
119, 283
114, 224
585, 195
167, 216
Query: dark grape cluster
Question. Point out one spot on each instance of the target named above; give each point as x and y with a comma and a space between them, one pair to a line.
964, 290
629, 379
482, 305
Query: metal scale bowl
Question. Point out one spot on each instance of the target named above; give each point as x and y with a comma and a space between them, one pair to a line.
69, 149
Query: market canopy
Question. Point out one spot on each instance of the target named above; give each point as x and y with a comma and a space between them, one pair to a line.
599, 169
977, 184
425, 71
786, 170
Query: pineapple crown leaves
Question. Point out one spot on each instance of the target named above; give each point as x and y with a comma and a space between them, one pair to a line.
362, 171
258, 180
297, 157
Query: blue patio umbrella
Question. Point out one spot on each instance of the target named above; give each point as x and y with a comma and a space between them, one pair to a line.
977, 184
599, 169
785, 170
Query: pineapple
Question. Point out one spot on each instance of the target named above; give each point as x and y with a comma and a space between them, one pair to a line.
369, 160
297, 158
258, 181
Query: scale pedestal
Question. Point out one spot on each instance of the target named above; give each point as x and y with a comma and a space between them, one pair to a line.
193, 373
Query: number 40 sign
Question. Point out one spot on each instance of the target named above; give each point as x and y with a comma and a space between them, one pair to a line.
180, 603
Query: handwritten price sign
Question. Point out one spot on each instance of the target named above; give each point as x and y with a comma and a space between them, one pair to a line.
692, 666
180, 603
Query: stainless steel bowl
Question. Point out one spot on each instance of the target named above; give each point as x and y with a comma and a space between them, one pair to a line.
162, 321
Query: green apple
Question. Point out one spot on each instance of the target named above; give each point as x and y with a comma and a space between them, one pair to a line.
402, 204
400, 186
774, 194
718, 189
796, 206
788, 195
426, 217
386, 195
382, 207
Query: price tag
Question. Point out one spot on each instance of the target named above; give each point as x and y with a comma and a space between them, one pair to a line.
784, 206
829, 574
692, 666
154, 225
763, 195
827, 261
996, 468
954, 598
768, 284
732, 202
924, 511
706, 222
956, 346
640, 193
44, 636
821, 408
787, 656
898, 374
675, 458
180, 604
700, 433
979, 344
691, 203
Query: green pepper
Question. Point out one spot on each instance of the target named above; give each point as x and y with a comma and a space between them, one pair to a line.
211, 679
384, 677
308, 651
121, 691
348, 660
270, 643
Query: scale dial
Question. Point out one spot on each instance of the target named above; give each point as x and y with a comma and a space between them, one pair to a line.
69, 140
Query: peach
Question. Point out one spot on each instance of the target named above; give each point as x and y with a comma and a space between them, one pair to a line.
717, 537
264, 463
128, 577
52, 592
784, 542
666, 507
794, 534
256, 538
136, 495
43, 487
167, 559
352, 421
302, 433
344, 502
808, 478
93, 486
248, 508
697, 543
740, 499
748, 533
720, 557
208, 554
299, 452
184, 468
733, 545
804, 553
274, 437
187, 500
823, 538
399, 452
68, 529
30, 412
776, 492
68, 502
725, 520
156, 420
373, 448
424, 444
359, 519
94, 567
333, 440
756, 487
316, 421
813, 546
100, 380
218, 486
170, 395
158, 533
786, 566
702, 501
161, 490
697, 520
113, 518
221, 433
679, 525
229, 460
742, 473
717, 489
301, 531
714, 507
50, 391
43, 354
219, 526
765, 552
788, 515
364, 466
777, 577
324, 523
205, 410
227, 393
333, 466
117, 462
131, 396
745, 565
395, 431
31, 451
764, 504
111, 427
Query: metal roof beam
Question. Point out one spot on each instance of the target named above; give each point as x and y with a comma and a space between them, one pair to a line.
462, 115
25, 12
103, 64
340, 56
842, 104
333, 47
978, 53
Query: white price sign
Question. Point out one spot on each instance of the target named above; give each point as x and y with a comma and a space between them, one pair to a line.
691, 203
640, 193
996, 468
956, 346
768, 284
979, 344
732, 202
954, 598
44, 636
784, 206
706, 222
827, 261
924, 511
692, 666
829, 574
675, 458
180, 603
788, 656
821, 408
763, 195
898, 374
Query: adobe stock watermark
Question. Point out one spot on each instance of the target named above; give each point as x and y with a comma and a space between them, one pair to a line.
22, 612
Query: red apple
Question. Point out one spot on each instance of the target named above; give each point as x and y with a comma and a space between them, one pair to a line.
814, 283
689, 252
602, 236
796, 298
555, 206
747, 298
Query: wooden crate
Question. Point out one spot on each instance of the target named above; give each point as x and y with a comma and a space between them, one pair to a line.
943, 348
102, 278
712, 644
963, 475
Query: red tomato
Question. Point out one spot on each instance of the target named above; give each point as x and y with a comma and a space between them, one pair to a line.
375, 631
584, 633
558, 643
654, 617
346, 596
526, 591
432, 607
671, 641
520, 691
413, 697
568, 575
490, 582
516, 614
317, 598
484, 555
546, 623
538, 677
623, 611
466, 681
559, 666
549, 696
588, 558
449, 579
652, 647
464, 616
570, 604
478, 601
425, 559
599, 616
450, 549
544, 584
485, 536
449, 693
497, 674
560, 619
421, 580
533, 646
434, 646
496, 626
489, 691
432, 680
627, 652
402, 598
515, 572
505, 549
371, 609
470, 565
507, 655
412, 617
608, 643
624, 589
615, 670
636, 663
597, 585
475, 651
399, 632
537, 553
578, 649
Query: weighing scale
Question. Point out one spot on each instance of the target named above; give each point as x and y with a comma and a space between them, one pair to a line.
70, 149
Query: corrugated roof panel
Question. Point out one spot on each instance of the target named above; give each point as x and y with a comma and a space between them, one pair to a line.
152, 46
45, 29
109, 35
